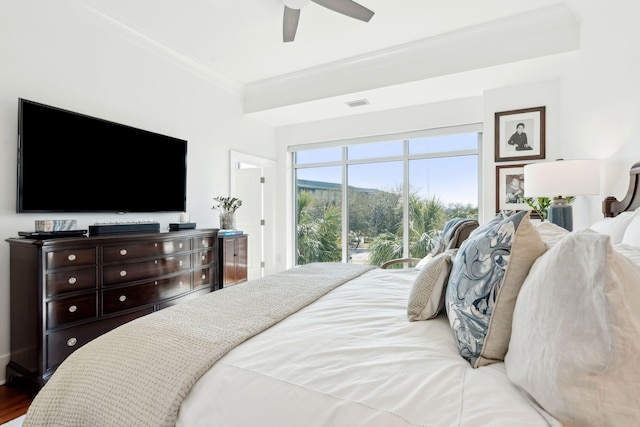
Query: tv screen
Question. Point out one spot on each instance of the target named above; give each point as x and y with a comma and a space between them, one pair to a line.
71, 162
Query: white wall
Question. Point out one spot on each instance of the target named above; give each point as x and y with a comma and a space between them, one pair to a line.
539, 94
58, 54
593, 111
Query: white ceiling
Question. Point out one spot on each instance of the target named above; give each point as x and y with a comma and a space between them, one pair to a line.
411, 52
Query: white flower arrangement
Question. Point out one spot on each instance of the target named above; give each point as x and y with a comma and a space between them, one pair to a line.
227, 204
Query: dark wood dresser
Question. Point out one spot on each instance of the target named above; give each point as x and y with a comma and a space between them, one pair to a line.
67, 291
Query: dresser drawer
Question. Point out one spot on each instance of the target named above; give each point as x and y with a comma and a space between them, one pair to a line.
122, 273
203, 242
202, 258
203, 277
182, 299
132, 251
70, 280
70, 257
72, 309
61, 344
115, 300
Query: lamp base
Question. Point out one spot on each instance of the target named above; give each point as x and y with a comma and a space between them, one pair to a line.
562, 216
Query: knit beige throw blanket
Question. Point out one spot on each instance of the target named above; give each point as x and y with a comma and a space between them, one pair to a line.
139, 373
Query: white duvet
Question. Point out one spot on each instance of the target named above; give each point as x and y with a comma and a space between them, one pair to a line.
353, 359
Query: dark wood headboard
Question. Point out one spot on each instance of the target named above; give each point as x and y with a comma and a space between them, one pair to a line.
612, 207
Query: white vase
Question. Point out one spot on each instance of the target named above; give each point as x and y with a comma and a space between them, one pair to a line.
227, 221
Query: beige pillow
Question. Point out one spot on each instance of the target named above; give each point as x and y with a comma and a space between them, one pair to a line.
427, 294
575, 343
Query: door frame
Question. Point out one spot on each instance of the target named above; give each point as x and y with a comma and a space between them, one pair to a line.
268, 235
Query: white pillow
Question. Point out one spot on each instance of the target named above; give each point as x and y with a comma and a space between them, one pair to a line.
614, 227
551, 233
632, 233
427, 294
575, 341
631, 252
424, 261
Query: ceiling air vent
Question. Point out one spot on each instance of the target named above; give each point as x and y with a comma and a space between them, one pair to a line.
358, 103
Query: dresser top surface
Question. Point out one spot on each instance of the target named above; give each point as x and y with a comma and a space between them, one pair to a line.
112, 238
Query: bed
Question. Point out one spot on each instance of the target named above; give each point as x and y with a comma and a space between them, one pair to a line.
543, 331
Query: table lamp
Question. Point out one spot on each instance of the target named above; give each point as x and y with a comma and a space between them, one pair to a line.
560, 179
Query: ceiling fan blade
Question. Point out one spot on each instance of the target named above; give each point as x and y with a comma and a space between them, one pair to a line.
348, 8
290, 24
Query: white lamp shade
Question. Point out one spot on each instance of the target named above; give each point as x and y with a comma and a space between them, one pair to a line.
562, 178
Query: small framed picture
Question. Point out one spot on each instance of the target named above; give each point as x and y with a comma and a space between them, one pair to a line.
509, 188
520, 134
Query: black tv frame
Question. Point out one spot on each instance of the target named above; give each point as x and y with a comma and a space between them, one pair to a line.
73, 162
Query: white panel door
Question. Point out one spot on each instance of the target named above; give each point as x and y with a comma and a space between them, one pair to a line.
252, 182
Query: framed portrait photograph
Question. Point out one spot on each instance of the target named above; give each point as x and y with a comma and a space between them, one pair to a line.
509, 188
520, 134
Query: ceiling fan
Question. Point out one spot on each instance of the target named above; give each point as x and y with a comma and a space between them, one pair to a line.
345, 7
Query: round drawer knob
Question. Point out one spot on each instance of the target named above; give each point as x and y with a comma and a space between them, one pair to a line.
204, 257
204, 276
71, 257
122, 298
73, 309
71, 342
123, 273
180, 245
179, 262
123, 252
204, 243
181, 283
72, 280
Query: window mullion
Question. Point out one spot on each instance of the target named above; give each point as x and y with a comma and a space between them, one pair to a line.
405, 200
345, 207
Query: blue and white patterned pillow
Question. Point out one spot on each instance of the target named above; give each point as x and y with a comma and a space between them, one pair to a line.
485, 279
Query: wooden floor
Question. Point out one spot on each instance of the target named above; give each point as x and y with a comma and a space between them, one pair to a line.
14, 402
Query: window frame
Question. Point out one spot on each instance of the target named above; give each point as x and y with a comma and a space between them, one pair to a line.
405, 158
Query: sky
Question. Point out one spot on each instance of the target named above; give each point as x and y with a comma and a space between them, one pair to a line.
451, 179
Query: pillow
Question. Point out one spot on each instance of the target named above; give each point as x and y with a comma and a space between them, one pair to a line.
424, 261
486, 276
551, 233
632, 232
614, 227
454, 232
575, 343
427, 293
492, 222
629, 251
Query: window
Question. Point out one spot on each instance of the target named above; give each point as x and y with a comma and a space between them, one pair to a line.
319, 214
370, 201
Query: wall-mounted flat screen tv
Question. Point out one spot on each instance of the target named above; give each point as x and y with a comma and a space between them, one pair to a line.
71, 162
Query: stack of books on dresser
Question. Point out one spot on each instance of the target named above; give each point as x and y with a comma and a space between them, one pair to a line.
230, 232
